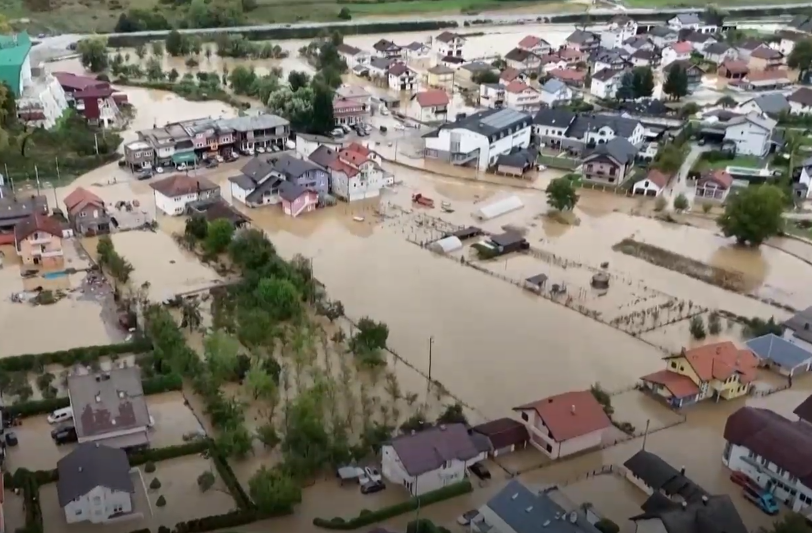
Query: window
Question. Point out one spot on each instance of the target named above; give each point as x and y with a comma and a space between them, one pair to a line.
78, 512
97, 499
525, 417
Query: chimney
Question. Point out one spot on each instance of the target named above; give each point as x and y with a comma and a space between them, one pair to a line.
682, 471
704, 500
572, 409
684, 505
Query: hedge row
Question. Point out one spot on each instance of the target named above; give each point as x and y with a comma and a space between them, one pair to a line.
154, 385
67, 358
367, 518
232, 483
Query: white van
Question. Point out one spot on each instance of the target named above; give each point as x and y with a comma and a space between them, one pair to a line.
60, 415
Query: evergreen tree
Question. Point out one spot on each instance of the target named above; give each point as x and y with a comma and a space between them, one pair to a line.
676, 83
643, 82
323, 120
626, 89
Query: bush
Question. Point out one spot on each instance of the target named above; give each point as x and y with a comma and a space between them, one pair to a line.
365, 519
213, 523
161, 502
149, 467
159, 384
154, 455
234, 488
604, 525
714, 323
144, 530
660, 203
697, 327
164, 529
44, 477
155, 484
67, 358
205, 481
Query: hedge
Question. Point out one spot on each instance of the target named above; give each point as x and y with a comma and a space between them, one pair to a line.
369, 518
215, 522
68, 358
154, 385
169, 452
232, 483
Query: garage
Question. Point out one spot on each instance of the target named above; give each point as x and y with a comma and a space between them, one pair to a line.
652, 185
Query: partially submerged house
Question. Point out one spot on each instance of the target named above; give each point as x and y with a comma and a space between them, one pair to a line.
86, 212
781, 355
505, 435
38, 241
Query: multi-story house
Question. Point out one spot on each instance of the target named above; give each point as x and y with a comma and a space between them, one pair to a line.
519, 95
87, 212
480, 138
536, 45
700, 41
565, 424
352, 56
550, 126
609, 162
798, 329
775, 452
492, 95
387, 49
638, 42
38, 241
449, 44
139, 155
800, 101
585, 130
346, 111
175, 193
522, 60
402, 78
685, 21
257, 184
693, 72
718, 371
748, 46
765, 58
553, 93
662, 36
97, 105
354, 175
620, 28
750, 134
605, 83
429, 106
582, 40
257, 130
680, 51
602, 59
417, 50
440, 77
302, 172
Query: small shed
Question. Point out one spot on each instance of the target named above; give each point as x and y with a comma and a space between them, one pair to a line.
785, 357
537, 282
466, 233
446, 245
508, 242
348, 474
499, 208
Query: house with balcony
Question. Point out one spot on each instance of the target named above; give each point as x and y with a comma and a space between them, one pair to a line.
700, 41
354, 174
110, 409
401, 77
257, 184
774, 451
620, 28
492, 95
480, 138
296, 199
430, 459
750, 134
387, 49
429, 106
610, 162
685, 21
583, 41
302, 172
719, 53
535, 45
86, 212
352, 56
638, 42
718, 371
38, 241
522, 60
522, 96
258, 130
565, 424
448, 44
15, 208
553, 93
605, 83
95, 485
680, 51
602, 59
139, 155
550, 126
173, 194
551, 62
349, 112
714, 185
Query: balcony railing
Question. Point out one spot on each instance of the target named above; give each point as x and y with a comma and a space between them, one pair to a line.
461, 159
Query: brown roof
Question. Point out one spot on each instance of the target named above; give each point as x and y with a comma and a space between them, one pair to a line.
432, 97
37, 222
735, 67
520, 55
765, 52
447, 37
767, 75
802, 96
510, 74
398, 68
529, 42
503, 432
352, 157
682, 47
658, 178
570, 415
427, 450
516, 87
721, 360
677, 384
570, 53
81, 197
804, 409
568, 74
718, 176
781, 441
180, 184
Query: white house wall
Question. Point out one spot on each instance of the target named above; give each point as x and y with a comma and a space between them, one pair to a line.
97, 506
392, 468
750, 139
173, 206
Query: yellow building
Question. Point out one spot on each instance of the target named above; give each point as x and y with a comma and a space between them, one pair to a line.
718, 370
440, 77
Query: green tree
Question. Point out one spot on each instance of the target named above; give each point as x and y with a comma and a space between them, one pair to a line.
754, 214
191, 316
174, 43
205, 481
669, 159
676, 83
264, 86
791, 523
266, 434
221, 351
561, 194
801, 57
242, 79
155, 71
273, 491
697, 327
251, 250
279, 297
141, 51
255, 327
157, 48
173, 75
93, 52
306, 444
626, 89
298, 79
642, 82
681, 202
234, 441
485, 76
453, 414
323, 120
370, 335
344, 14
218, 236
261, 384
727, 102
713, 16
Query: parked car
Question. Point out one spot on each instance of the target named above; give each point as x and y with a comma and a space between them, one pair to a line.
337, 132
465, 518
346, 128
60, 415
260, 149
383, 129
740, 478
384, 112
480, 471
372, 487
219, 158
159, 170
399, 126
144, 174
372, 473
232, 156
11, 439
64, 434
122, 163
182, 166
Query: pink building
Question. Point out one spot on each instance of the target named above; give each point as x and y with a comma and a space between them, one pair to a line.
297, 199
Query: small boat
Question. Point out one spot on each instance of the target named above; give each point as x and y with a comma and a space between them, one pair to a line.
358, 219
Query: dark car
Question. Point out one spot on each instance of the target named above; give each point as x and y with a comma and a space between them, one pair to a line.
383, 129
480, 471
212, 163
11, 439
372, 487
64, 434
144, 174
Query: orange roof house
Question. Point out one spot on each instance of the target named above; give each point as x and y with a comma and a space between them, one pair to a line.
565, 424
719, 370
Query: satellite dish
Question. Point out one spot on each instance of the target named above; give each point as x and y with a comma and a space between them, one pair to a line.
573, 517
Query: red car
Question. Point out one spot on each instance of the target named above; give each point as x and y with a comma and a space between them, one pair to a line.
741, 479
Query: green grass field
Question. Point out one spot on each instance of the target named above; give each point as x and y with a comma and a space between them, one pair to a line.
739, 161
702, 3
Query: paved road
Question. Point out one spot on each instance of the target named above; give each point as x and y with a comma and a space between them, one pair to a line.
680, 185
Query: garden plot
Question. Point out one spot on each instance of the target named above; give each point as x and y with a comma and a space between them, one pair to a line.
635, 408
676, 335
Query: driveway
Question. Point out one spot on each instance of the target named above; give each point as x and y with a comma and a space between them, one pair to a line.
679, 185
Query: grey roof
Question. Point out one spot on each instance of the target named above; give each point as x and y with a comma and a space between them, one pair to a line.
525, 511
619, 149
107, 402
13, 209
508, 238
381, 63
477, 66
716, 514
252, 123
802, 23
778, 350
259, 189
441, 69
582, 37
802, 96
699, 37
801, 322
662, 31
415, 46
606, 74
243, 182
492, 122
553, 86
766, 123
651, 469
289, 191
344, 48
91, 465
558, 118
384, 44
323, 155
622, 126
717, 48
292, 167
427, 450
257, 168
772, 104
688, 18
636, 41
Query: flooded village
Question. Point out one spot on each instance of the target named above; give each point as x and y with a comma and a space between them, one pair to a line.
241, 325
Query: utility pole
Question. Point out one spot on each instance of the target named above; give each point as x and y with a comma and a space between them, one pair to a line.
645, 435
431, 343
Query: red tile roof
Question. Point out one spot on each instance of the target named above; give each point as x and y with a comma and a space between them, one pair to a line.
516, 87
503, 432
509, 74
677, 384
94, 92
570, 53
568, 74
37, 222
735, 67
767, 75
529, 42
720, 177
360, 148
81, 196
682, 47
353, 158
658, 178
570, 415
432, 98
78, 83
720, 361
